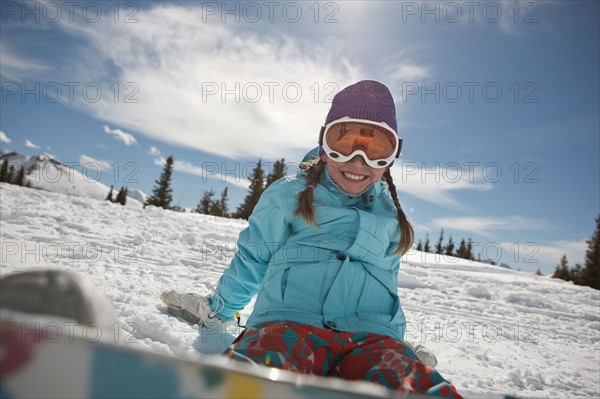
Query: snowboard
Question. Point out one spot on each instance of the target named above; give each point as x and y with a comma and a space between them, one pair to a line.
46, 357
58, 340
54, 343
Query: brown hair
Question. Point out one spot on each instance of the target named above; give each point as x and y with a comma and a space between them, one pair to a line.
306, 210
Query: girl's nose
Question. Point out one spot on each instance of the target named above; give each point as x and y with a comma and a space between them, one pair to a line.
358, 159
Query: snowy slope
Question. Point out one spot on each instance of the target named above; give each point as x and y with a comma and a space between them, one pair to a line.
46, 173
495, 331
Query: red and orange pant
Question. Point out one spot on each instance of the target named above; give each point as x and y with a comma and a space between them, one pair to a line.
352, 356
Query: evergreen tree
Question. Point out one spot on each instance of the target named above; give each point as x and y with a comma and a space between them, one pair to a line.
162, 192
426, 246
590, 275
278, 171
109, 197
257, 186
122, 196
209, 206
206, 202
439, 248
118, 197
125, 192
215, 208
462, 251
4, 177
20, 178
223, 204
562, 269
419, 245
470, 249
449, 248
576, 276
538, 272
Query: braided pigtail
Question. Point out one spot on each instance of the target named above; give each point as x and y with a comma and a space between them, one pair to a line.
407, 234
305, 208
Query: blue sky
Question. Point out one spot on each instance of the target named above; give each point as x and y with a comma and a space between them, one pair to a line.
497, 102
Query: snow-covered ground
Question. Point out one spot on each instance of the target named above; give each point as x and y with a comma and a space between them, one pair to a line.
495, 330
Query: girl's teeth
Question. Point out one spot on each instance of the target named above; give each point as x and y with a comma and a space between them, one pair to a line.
354, 177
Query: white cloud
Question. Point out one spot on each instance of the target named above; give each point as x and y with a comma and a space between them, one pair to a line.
515, 17
87, 161
551, 252
210, 86
214, 174
402, 73
155, 152
29, 144
435, 184
235, 179
409, 73
4, 138
120, 135
15, 68
160, 161
487, 226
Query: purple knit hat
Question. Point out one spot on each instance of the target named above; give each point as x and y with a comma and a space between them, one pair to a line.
367, 99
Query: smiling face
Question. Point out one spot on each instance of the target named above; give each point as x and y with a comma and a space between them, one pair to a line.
352, 177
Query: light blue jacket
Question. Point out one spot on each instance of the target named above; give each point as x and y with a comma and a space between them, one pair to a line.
340, 274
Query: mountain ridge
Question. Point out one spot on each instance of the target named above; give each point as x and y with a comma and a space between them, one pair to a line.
45, 172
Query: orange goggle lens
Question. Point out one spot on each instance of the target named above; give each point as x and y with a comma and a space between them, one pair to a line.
347, 137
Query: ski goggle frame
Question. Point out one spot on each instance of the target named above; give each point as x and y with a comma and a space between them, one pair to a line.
357, 144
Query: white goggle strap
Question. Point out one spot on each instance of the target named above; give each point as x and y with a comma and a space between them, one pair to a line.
345, 158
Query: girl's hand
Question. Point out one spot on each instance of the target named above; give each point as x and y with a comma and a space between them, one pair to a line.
426, 356
195, 309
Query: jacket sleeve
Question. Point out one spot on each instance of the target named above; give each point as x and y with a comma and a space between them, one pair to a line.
268, 229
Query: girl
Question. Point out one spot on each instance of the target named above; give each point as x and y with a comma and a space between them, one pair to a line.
322, 251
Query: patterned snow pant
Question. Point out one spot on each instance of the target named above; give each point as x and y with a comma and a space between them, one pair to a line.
352, 356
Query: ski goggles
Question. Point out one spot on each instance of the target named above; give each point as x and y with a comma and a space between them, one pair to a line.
375, 142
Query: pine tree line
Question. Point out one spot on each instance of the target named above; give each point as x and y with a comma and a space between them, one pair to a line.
589, 273
208, 204
8, 175
464, 249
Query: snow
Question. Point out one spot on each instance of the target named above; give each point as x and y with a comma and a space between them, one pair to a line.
494, 330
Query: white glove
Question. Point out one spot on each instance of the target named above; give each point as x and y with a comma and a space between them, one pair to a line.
425, 356
196, 309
